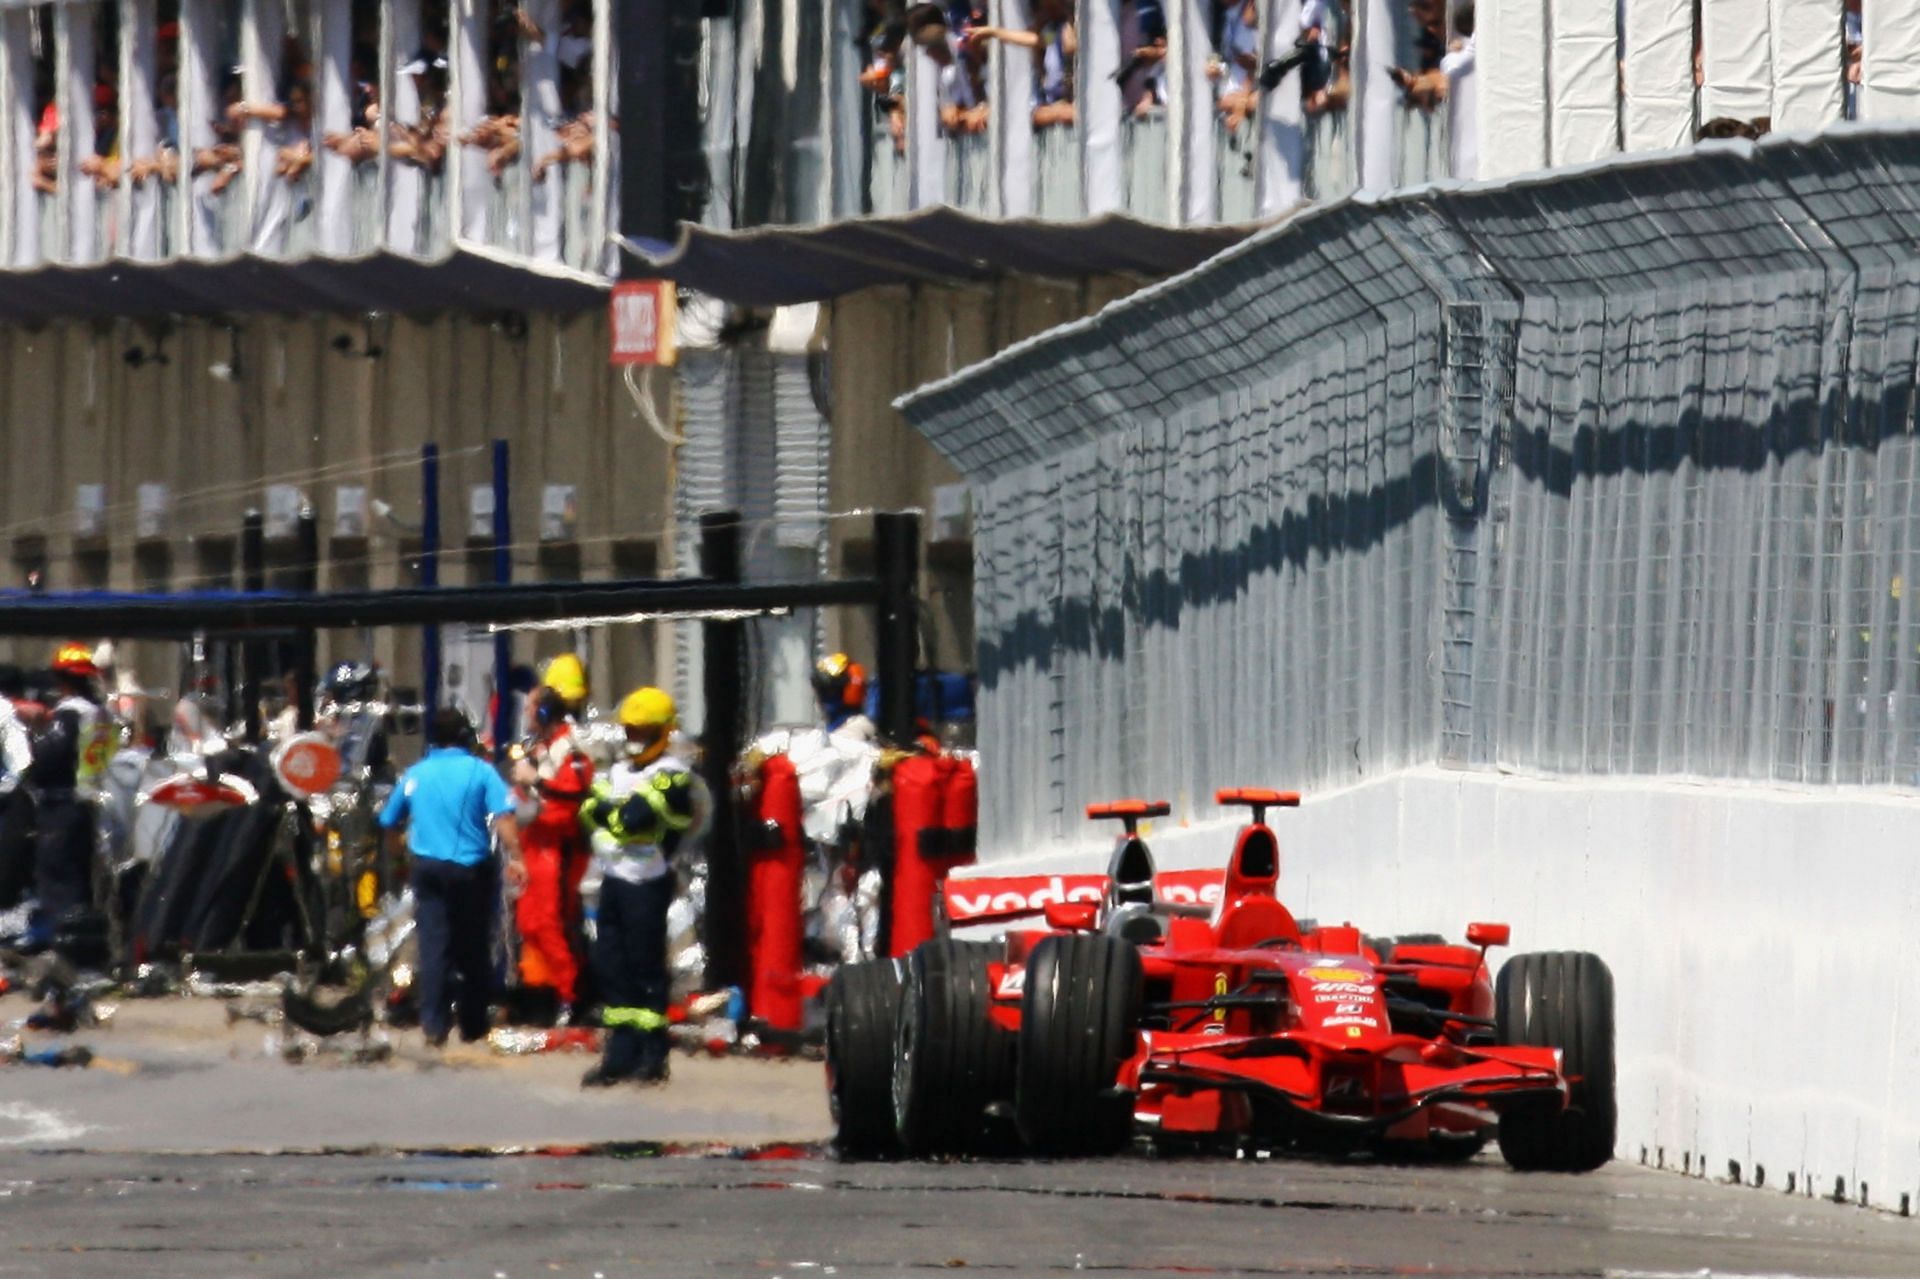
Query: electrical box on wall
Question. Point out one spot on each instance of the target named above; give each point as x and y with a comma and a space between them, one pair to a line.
350, 511
151, 510
90, 510
952, 513
282, 516
558, 513
480, 512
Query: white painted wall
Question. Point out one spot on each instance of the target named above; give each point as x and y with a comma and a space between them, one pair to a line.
1765, 942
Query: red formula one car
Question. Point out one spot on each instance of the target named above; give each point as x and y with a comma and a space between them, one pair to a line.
1208, 1013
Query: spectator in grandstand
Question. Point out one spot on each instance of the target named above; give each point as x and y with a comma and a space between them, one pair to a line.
1143, 56
963, 99
1317, 32
1234, 68
1424, 85
103, 166
423, 143
1055, 45
361, 143
885, 73
1851, 28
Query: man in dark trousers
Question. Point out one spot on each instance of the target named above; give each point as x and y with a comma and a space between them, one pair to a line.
452, 803
640, 814
70, 754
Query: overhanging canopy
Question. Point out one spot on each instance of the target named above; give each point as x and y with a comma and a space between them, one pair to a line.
134, 615
784, 266
465, 279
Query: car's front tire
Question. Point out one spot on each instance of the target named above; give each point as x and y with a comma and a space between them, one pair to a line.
1564, 1000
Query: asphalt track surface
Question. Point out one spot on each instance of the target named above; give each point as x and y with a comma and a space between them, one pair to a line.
188, 1149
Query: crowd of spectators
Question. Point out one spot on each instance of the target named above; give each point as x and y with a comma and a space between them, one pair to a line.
287, 121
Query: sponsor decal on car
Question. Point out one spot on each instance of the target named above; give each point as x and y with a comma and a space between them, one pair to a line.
1333, 974
1011, 896
1350, 1021
1012, 982
1332, 992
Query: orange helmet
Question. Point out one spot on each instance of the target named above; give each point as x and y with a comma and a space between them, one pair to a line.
75, 659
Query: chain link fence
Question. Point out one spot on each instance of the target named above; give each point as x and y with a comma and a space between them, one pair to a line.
1609, 472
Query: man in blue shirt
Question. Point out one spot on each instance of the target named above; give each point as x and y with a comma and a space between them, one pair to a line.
452, 803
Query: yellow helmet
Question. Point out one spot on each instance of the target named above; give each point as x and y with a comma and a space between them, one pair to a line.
566, 677
76, 660
648, 708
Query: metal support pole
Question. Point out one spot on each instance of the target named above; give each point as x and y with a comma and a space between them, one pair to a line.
503, 725
721, 739
306, 647
430, 570
896, 562
253, 579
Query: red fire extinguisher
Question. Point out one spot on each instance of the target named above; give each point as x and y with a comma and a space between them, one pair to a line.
775, 865
936, 805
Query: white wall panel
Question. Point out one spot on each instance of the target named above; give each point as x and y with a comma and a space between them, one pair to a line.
1282, 139
20, 221
1737, 51
1705, 903
1890, 60
1375, 110
1190, 113
1808, 63
1658, 111
1010, 118
1585, 80
1513, 88
1099, 103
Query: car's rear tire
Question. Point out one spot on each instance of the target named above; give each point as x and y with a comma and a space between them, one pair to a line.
1079, 1021
863, 1001
950, 1060
1564, 1000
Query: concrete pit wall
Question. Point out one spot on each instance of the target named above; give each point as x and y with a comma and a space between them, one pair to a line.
1763, 943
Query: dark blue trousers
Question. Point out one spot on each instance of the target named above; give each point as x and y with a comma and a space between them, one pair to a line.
62, 857
453, 911
630, 963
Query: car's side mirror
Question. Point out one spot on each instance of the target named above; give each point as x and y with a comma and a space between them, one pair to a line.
1071, 917
1484, 935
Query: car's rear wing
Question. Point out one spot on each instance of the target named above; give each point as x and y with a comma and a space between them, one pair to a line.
991, 899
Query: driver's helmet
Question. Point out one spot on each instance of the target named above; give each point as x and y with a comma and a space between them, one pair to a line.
350, 682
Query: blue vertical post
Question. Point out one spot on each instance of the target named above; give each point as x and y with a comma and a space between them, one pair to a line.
430, 569
503, 727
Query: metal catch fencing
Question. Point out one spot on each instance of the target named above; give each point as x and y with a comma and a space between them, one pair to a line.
1610, 472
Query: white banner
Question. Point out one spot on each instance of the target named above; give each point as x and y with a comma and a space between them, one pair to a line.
1658, 112
1808, 62
1737, 52
1890, 60
1585, 79
1511, 63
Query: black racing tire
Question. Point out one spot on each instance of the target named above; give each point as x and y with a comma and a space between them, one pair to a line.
951, 1061
1564, 1000
863, 1001
1079, 1021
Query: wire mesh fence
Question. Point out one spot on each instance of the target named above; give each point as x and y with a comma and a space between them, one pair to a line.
1612, 473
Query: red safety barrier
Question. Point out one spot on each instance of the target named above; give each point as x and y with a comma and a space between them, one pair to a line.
775, 864
936, 808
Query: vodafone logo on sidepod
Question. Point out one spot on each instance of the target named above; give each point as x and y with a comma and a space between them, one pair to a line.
970, 900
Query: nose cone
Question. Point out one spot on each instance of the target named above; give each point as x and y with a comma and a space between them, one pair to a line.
1340, 1004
